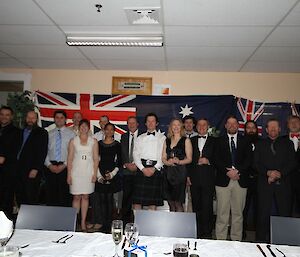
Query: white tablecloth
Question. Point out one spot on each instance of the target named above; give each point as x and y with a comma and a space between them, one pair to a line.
98, 244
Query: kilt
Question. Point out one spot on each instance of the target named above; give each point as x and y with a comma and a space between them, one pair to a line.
148, 190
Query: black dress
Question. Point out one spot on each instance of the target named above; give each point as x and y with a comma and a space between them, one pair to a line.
110, 158
175, 176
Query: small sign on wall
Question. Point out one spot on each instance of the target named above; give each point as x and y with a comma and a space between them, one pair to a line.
132, 85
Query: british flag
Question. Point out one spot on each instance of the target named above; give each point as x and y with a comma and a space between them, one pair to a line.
91, 106
249, 110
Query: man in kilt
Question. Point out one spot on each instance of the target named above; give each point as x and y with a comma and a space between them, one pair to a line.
147, 156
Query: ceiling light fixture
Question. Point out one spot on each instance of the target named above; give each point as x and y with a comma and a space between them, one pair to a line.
133, 41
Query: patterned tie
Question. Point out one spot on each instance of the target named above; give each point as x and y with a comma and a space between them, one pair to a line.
131, 149
58, 146
233, 151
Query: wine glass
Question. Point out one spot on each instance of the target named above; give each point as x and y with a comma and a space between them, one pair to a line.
117, 234
131, 233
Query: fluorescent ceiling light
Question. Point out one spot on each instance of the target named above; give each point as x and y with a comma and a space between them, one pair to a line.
138, 41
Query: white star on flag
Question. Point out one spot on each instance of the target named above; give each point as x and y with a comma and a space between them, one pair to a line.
186, 110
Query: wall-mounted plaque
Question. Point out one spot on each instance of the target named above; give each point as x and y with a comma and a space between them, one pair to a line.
131, 86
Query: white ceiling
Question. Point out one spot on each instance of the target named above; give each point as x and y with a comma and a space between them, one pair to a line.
200, 35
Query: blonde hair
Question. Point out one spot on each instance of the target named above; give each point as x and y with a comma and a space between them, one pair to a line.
170, 132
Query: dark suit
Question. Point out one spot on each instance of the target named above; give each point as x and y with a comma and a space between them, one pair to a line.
223, 160
32, 156
128, 181
202, 188
281, 158
8, 149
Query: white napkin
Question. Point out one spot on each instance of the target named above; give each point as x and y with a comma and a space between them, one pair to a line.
6, 226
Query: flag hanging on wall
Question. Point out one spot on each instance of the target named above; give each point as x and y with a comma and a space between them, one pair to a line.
119, 107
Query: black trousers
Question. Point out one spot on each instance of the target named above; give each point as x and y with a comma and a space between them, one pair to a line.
268, 194
57, 189
28, 189
202, 201
296, 192
7, 191
251, 203
128, 188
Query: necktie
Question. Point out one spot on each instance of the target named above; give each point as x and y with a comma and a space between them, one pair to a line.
294, 135
58, 146
26, 134
151, 133
131, 149
233, 151
273, 148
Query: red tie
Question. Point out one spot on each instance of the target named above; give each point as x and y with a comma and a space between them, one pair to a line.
294, 135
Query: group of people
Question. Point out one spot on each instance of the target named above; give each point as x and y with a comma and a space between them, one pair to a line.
82, 170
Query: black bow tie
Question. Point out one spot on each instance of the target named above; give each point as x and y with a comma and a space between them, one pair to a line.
151, 133
202, 137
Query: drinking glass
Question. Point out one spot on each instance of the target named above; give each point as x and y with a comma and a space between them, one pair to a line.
117, 234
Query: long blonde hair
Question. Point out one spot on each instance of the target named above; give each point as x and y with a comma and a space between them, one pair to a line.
170, 132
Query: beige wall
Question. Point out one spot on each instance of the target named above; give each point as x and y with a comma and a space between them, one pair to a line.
256, 86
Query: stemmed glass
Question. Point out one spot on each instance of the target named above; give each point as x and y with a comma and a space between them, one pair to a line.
117, 234
131, 233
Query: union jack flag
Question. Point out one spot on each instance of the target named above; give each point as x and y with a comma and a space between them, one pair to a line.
249, 110
91, 106
294, 110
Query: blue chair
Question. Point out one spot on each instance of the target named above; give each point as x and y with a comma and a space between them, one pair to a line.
38, 217
166, 224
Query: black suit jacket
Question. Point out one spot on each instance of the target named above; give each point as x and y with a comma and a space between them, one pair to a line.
223, 160
34, 151
125, 148
202, 174
284, 160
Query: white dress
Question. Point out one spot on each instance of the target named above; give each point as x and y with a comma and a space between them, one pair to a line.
82, 167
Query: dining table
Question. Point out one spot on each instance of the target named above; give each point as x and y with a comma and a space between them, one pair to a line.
40, 243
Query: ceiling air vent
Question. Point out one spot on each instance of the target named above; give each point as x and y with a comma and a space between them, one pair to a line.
143, 15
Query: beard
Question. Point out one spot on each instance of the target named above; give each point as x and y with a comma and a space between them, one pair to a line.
30, 125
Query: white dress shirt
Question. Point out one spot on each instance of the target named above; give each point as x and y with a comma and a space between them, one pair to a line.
201, 142
66, 135
149, 147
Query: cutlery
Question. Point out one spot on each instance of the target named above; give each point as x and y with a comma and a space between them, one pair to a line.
280, 252
63, 242
189, 244
167, 253
195, 248
269, 248
24, 246
261, 250
57, 241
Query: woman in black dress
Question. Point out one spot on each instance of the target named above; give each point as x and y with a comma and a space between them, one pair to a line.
109, 181
177, 152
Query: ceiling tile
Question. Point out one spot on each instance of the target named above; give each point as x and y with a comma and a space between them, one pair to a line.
214, 36
209, 53
11, 63
78, 12
58, 63
284, 36
277, 54
129, 65
42, 51
127, 53
230, 12
19, 35
204, 65
294, 17
22, 12
256, 66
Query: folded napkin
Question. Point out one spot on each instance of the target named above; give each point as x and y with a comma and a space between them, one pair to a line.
6, 226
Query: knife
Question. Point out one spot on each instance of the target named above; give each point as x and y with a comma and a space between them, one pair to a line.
269, 248
261, 250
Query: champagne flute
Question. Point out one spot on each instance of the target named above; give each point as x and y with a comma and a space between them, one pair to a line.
117, 234
131, 233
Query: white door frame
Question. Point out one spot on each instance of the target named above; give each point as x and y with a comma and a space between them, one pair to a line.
25, 77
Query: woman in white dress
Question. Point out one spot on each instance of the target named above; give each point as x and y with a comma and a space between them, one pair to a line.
83, 161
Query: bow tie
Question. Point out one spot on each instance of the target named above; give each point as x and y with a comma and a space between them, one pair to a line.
151, 133
294, 135
202, 137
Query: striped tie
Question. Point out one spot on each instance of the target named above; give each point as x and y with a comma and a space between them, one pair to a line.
58, 146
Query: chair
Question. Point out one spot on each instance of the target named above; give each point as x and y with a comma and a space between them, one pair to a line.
166, 224
285, 230
39, 217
